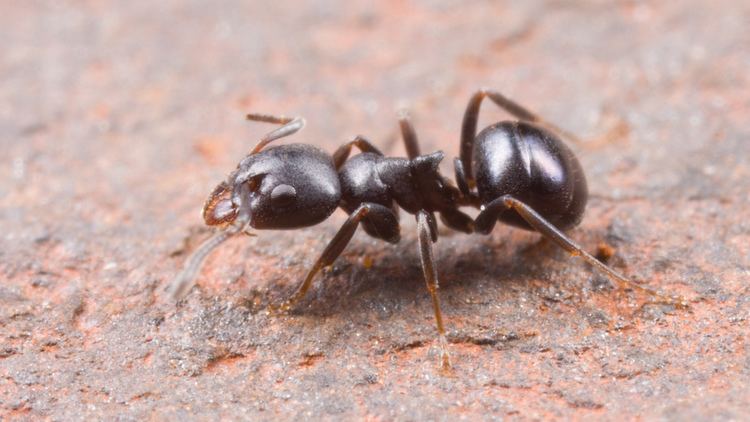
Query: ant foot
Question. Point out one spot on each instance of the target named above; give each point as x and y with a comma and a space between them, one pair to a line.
656, 298
445, 357
281, 309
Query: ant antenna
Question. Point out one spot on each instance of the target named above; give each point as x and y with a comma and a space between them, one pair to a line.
185, 280
290, 126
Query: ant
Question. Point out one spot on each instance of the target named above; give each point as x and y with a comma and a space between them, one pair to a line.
520, 173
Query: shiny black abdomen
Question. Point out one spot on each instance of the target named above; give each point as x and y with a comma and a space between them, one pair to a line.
534, 166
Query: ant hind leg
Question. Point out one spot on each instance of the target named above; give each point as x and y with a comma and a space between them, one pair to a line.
471, 118
467, 196
486, 220
524, 114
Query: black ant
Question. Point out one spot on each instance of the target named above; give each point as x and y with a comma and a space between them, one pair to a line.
520, 173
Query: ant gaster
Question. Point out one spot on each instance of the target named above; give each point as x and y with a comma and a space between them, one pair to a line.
519, 173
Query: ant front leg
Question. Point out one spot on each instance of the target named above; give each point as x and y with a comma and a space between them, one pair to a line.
426, 238
380, 217
486, 219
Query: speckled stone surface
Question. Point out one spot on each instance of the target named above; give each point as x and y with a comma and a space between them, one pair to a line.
118, 118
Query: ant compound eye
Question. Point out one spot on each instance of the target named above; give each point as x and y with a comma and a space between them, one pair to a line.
283, 195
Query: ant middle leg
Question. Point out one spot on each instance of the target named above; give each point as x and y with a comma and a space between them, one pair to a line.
409, 135
379, 217
426, 238
488, 216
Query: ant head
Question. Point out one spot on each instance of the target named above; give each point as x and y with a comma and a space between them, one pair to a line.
284, 187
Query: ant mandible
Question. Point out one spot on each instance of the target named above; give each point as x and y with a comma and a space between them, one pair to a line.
520, 173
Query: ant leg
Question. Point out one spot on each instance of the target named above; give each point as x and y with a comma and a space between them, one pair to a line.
467, 196
457, 220
342, 153
433, 226
522, 113
468, 133
381, 217
460, 174
551, 232
471, 117
409, 135
430, 276
289, 126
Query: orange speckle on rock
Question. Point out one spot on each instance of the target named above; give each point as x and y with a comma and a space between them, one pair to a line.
604, 252
210, 148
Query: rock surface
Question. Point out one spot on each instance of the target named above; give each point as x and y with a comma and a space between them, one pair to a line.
118, 118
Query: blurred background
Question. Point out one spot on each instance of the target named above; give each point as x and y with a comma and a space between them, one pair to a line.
117, 119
